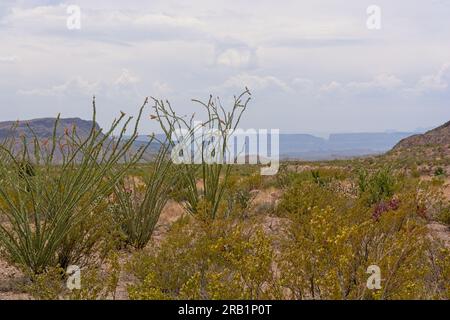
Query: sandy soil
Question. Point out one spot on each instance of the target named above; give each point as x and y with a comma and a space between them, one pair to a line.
447, 189
441, 232
11, 280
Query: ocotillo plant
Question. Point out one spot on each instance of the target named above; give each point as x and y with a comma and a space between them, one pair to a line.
44, 216
139, 204
212, 176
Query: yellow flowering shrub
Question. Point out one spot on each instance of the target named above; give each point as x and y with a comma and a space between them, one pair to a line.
332, 241
96, 282
220, 259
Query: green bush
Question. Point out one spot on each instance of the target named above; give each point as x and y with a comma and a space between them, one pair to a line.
439, 172
325, 252
220, 259
97, 282
55, 212
303, 196
212, 176
139, 204
377, 186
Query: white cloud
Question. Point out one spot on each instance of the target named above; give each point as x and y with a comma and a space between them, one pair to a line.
162, 20
235, 58
254, 82
8, 59
121, 26
127, 78
125, 82
161, 88
382, 81
435, 82
292, 53
333, 86
74, 86
36, 18
303, 85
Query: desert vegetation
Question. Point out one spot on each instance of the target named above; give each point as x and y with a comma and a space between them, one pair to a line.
162, 230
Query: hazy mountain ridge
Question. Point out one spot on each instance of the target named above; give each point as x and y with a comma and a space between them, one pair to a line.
292, 146
43, 130
339, 145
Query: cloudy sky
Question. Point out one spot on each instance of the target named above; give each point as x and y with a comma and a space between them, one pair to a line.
312, 66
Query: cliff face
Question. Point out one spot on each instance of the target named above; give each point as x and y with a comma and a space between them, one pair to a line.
436, 137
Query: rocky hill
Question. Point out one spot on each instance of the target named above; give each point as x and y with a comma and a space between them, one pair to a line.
43, 128
439, 137
428, 153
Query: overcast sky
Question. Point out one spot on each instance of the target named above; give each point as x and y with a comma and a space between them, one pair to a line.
312, 66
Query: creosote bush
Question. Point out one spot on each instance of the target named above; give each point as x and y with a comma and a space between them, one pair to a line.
98, 282
377, 186
329, 242
220, 259
332, 241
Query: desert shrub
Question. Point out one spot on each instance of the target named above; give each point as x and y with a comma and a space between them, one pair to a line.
285, 177
323, 176
180, 191
430, 200
240, 192
326, 175
318, 179
439, 275
333, 239
139, 204
97, 283
363, 180
239, 201
303, 196
376, 186
438, 181
211, 150
91, 239
51, 215
205, 260
444, 214
415, 173
252, 182
326, 253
